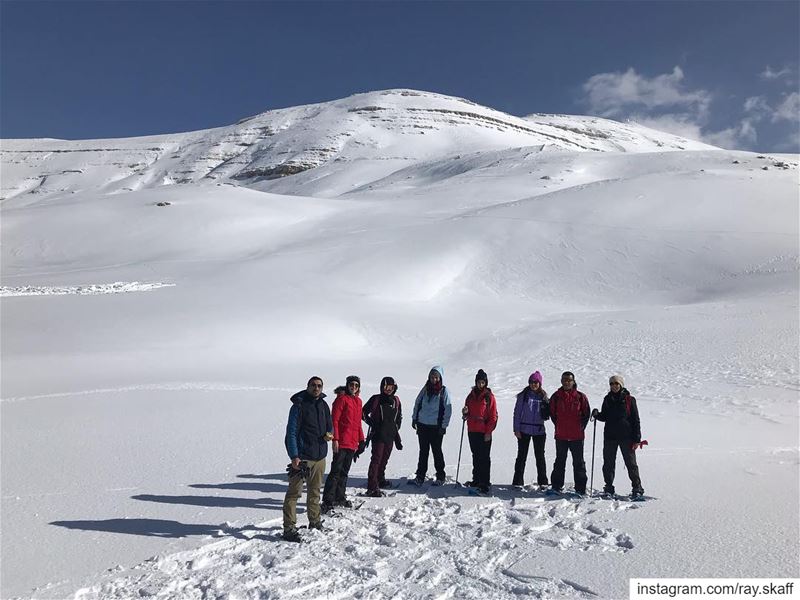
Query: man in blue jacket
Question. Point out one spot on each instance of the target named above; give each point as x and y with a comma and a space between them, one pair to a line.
308, 432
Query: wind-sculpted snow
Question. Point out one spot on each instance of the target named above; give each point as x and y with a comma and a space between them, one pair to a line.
416, 547
118, 287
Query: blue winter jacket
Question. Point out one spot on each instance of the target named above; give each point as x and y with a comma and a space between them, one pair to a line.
433, 409
528, 412
309, 421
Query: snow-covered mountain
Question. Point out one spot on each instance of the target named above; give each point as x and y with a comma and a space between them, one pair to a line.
396, 127
163, 296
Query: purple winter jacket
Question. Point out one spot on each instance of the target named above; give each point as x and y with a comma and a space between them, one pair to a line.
528, 412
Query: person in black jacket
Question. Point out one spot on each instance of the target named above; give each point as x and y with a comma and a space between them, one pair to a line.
384, 415
623, 431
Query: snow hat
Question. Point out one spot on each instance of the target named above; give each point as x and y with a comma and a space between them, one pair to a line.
535, 376
313, 379
481, 376
616, 379
388, 381
355, 378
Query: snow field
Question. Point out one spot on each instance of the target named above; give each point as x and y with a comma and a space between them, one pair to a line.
142, 434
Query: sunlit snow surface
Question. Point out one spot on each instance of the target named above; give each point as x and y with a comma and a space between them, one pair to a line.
142, 433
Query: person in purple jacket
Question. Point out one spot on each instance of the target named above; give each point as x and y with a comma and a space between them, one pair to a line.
530, 412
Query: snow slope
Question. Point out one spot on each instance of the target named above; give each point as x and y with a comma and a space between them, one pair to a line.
142, 433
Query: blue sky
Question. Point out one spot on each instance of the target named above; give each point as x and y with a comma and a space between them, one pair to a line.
724, 72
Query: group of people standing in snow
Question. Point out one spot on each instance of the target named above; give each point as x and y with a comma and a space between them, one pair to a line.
312, 424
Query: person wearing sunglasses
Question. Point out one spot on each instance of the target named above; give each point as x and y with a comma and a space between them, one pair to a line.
569, 411
308, 432
347, 435
622, 430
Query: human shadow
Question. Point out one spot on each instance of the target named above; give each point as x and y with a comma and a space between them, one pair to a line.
163, 528
281, 475
242, 485
216, 501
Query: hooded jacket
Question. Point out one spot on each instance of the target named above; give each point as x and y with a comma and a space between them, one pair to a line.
569, 410
481, 411
621, 417
346, 416
309, 422
531, 411
374, 412
433, 408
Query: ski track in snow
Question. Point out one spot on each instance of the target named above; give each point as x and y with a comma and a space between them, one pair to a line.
118, 287
417, 547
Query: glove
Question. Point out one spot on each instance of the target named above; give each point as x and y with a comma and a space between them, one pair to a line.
442, 431
595, 412
413, 424
328, 436
398, 444
362, 445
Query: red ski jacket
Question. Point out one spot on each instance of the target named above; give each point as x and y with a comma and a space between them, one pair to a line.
569, 410
481, 411
346, 416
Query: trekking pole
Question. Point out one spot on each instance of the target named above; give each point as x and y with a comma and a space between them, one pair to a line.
460, 445
591, 482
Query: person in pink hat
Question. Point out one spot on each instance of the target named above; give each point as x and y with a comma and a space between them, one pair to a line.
530, 412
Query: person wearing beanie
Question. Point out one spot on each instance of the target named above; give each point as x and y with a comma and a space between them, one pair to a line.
430, 418
383, 413
308, 431
569, 411
531, 410
622, 430
480, 413
347, 435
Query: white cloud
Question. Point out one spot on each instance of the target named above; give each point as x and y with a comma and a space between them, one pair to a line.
757, 107
680, 125
789, 109
615, 94
733, 138
770, 75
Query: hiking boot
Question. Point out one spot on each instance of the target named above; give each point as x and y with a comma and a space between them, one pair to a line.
344, 503
608, 490
325, 508
419, 480
484, 490
291, 535
438, 481
470, 484
637, 493
318, 526
385, 484
375, 494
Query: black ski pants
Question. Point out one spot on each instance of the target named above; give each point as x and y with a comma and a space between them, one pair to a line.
575, 447
610, 460
336, 483
481, 459
523, 443
430, 439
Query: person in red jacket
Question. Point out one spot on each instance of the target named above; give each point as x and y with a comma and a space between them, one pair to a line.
480, 413
569, 411
347, 433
